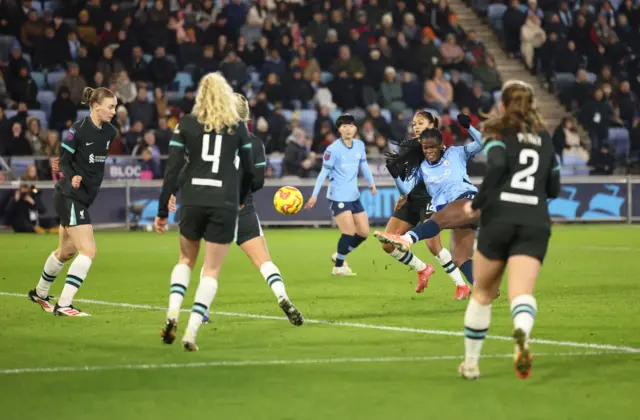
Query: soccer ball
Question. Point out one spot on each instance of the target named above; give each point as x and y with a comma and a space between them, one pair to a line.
288, 200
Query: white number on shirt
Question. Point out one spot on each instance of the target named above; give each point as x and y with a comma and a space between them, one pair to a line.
214, 159
524, 179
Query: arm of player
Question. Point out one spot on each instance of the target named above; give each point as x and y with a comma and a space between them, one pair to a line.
366, 172
246, 159
553, 180
260, 165
175, 163
496, 166
407, 185
68, 149
476, 146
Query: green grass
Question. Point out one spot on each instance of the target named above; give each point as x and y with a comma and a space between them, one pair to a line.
588, 293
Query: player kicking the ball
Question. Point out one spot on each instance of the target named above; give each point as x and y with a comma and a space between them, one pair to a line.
217, 144
250, 237
84, 152
341, 161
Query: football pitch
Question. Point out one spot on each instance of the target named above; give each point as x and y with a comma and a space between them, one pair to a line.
371, 347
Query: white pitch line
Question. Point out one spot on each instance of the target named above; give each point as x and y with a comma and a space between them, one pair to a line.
592, 346
240, 363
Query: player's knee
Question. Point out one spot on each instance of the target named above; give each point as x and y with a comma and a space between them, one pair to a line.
64, 255
388, 248
90, 251
191, 262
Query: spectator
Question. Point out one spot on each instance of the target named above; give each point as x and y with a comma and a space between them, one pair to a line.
23, 209
50, 52
298, 158
150, 167
234, 70
566, 140
122, 120
391, 91
206, 64
5, 98
428, 56
602, 161
345, 63
452, 54
532, 37
126, 90
142, 110
15, 144
161, 103
596, 115
51, 149
24, 89
627, 103
368, 132
31, 31
487, 74
74, 83
63, 110
299, 91
512, 21
35, 135
438, 93
162, 71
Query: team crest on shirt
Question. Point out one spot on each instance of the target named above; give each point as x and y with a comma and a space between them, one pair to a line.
446, 162
358, 155
70, 134
327, 155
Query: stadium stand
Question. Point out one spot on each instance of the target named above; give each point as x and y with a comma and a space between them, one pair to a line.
299, 63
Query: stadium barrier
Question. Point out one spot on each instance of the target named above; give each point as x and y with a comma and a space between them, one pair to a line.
133, 203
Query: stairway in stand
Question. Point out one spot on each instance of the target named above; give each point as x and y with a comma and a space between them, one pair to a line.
509, 68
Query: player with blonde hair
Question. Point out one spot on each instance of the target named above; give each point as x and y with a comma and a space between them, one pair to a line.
84, 153
217, 145
249, 236
522, 173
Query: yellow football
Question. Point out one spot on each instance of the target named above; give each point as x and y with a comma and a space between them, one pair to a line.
288, 200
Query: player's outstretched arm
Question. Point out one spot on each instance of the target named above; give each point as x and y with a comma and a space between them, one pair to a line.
496, 166
553, 180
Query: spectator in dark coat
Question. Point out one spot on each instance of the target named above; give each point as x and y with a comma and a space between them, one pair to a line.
162, 71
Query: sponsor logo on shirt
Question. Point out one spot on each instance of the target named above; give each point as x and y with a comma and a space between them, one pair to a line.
96, 158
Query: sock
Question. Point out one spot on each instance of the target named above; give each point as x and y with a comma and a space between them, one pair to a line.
426, 230
444, 258
180, 277
204, 296
273, 278
407, 258
467, 270
523, 311
75, 277
356, 240
344, 243
477, 319
52, 268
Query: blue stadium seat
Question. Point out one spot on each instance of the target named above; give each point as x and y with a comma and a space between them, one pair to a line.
573, 165
40, 79
20, 165
335, 114
326, 77
172, 95
184, 80
37, 6
308, 119
46, 99
619, 141
495, 13
27, 57
255, 77
54, 77
83, 113
38, 113
386, 114
6, 42
50, 6
591, 78
147, 58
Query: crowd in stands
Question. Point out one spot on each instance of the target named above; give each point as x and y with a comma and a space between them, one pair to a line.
299, 63
587, 52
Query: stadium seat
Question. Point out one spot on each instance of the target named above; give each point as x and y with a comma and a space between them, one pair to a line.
173, 95
147, 58
27, 57
326, 77
37, 6
50, 6
54, 77
386, 114
83, 113
573, 165
40, 79
6, 42
10, 113
20, 165
46, 99
495, 13
183, 80
335, 114
619, 141
308, 119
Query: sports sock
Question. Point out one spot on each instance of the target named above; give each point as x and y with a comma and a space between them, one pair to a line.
75, 277
467, 270
444, 258
180, 277
52, 268
426, 230
407, 258
204, 296
344, 243
356, 241
477, 319
274, 280
523, 311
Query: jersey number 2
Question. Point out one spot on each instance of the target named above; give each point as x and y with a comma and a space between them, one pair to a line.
524, 179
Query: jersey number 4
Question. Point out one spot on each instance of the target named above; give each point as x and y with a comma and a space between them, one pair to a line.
524, 179
214, 159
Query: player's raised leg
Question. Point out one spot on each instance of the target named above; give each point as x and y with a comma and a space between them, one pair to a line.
398, 226
256, 250
477, 318
215, 255
52, 267
347, 226
180, 278
523, 271
82, 238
